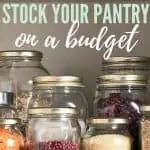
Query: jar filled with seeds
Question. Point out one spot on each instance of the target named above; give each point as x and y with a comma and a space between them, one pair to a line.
53, 129
60, 92
121, 96
22, 66
10, 136
145, 127
107, 134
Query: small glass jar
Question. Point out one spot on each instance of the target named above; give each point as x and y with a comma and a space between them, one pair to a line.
107, 134
139, 65
59, 92
22, 66
10, 136
121, 96
53, 129
145, 127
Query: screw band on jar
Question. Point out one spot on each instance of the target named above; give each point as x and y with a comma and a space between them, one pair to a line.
20, 54
53, 111
117, 80
145, 110
9, 121
115, 60
108, 121
58, 81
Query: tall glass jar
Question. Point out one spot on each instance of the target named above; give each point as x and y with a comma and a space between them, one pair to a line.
121, 96
59, 92
139, 65
107, 134
53, 129
145, 127
10, 136
22, 66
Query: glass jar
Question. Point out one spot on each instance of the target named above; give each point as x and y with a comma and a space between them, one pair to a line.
121, 96
23, 65
107, 134
7, 108
10, 136
139, 65
59, 92
53, 129
145, 127
6, 84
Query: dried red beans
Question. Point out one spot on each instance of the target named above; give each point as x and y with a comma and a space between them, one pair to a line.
58, 145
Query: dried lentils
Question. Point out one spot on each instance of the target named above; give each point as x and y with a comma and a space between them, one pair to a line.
145, 134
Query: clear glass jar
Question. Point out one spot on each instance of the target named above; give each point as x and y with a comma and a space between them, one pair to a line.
22, 66
121, 96
145, 127
139, 65
59, 92
107, 134
53, 129
10, 136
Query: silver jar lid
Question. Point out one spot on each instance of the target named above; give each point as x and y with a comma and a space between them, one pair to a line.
6, 98
58, 81
117, 60
145, 108
108, 121
53, 111
20, 53
9, 121
118, 80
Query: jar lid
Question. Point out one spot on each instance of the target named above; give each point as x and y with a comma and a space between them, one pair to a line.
115, 60
53, 111
108, 121
145, 108
6, 98
58, 81
9, 121
21, 53
109, 80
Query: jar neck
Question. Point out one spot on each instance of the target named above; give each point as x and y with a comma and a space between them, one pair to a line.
22, 62
109, 127
61, 89
63, 116
7, 126
122, 88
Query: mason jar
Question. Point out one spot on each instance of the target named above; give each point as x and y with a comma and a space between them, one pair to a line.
145, 127
107, 134
60, 92
121, 96
53, 129
22, 66
10, 135
139, 65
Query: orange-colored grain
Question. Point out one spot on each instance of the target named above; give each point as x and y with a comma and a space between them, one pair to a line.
10, 140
